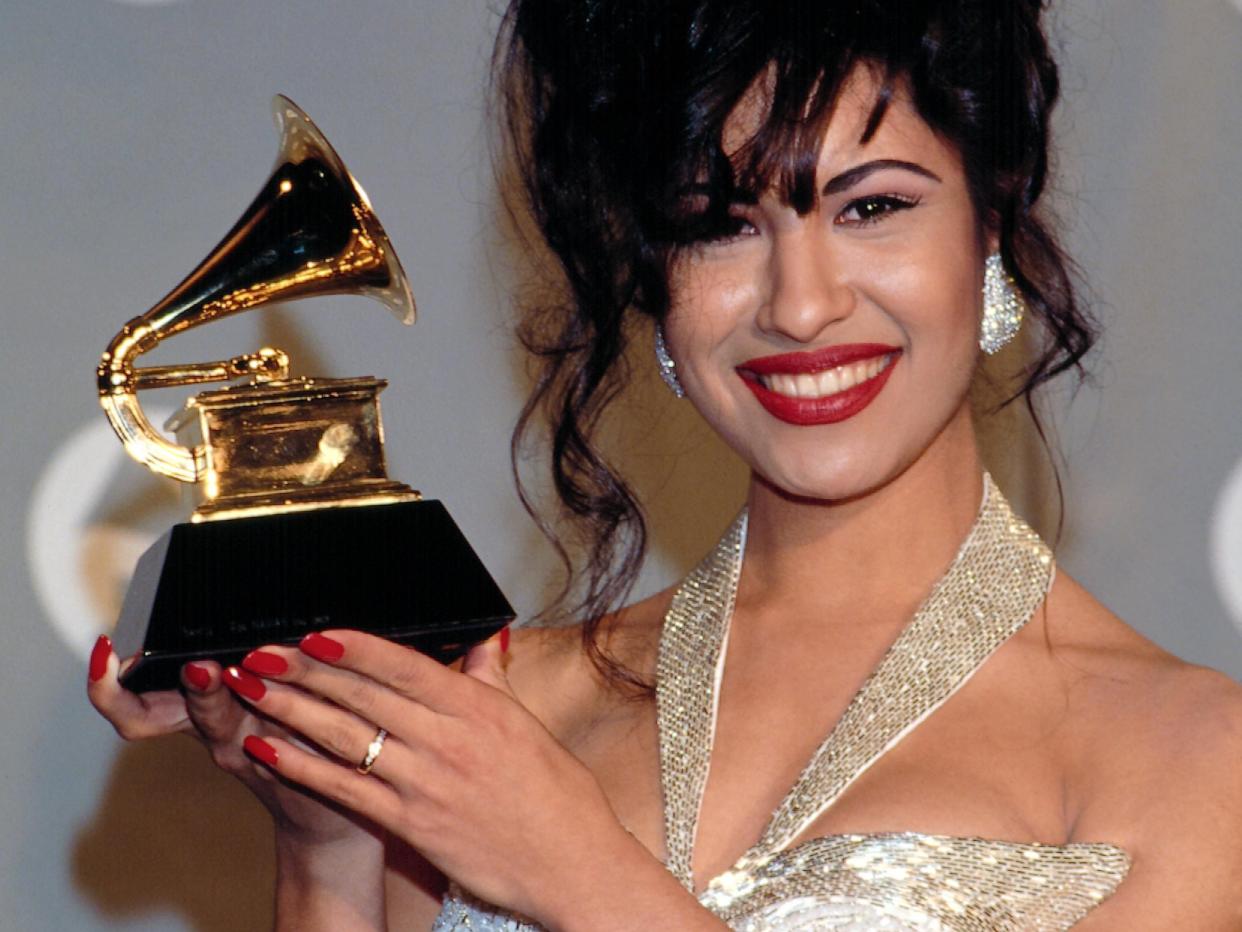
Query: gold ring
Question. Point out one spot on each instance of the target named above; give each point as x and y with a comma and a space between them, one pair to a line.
373, 752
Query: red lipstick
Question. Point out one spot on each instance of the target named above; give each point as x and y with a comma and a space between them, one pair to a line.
827, 409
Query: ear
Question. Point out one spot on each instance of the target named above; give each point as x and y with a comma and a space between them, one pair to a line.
989, 233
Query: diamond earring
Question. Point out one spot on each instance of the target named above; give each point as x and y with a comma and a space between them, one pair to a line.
1003, 306
668, 368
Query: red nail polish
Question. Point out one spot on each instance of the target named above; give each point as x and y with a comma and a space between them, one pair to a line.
264, 663
196, 676
259, 749
246, 685
99, 658
322, 648
504, 639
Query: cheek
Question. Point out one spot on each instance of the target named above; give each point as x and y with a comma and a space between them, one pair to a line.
935, 300
709, 306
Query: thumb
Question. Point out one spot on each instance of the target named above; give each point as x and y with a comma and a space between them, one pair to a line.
487, 661
213, 709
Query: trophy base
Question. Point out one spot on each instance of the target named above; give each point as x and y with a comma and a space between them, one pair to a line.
218, 589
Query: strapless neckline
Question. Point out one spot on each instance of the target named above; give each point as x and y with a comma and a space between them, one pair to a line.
869, 882
999, 576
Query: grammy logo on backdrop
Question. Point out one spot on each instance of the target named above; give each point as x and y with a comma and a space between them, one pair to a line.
297, 526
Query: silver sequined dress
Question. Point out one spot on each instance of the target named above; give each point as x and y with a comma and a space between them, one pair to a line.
906, 882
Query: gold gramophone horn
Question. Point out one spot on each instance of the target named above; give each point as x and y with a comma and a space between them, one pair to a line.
310, 231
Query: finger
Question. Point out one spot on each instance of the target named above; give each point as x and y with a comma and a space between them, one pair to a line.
373, 799
371, 702
487, 662
133, 716
326, 725
216, 714
402, 669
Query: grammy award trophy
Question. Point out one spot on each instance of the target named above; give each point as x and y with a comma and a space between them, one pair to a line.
297, 526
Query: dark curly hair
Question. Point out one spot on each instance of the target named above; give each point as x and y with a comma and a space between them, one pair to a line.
614, 107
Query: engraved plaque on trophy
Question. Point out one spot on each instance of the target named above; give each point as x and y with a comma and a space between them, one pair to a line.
297, 526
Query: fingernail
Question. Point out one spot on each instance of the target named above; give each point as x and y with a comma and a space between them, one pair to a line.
259, 749
504, 639
198, 677
99, 658
322, 648
244, 684
264, 663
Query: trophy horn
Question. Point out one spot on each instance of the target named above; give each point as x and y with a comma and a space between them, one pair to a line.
310, 231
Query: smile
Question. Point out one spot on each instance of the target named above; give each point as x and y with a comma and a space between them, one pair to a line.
822, 384
820, 387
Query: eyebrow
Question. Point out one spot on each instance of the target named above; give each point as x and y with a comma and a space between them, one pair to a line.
852, 176
835, 185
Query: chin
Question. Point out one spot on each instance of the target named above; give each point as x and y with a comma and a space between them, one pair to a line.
849, 461
828, 479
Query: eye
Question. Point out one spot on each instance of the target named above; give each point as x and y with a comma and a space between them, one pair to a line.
699, 219
727, 229
873, 208
710, 229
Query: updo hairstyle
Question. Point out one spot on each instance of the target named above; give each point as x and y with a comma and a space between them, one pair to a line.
615, 107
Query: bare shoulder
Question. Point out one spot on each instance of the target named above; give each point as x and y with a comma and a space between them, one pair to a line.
1125, 688
1155, 766
554, 676
546, 669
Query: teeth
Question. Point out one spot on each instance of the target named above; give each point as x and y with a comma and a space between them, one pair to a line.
828, 382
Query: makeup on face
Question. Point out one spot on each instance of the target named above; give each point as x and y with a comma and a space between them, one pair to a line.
824, 386
858, 317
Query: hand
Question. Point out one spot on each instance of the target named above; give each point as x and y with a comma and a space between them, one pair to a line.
466, 775
216, 718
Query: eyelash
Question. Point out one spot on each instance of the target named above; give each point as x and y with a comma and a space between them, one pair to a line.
890, 204
734, 228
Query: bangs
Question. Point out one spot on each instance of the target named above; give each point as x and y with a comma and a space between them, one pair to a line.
782, 153
790, 67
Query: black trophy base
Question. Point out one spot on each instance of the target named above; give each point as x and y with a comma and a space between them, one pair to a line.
217, 590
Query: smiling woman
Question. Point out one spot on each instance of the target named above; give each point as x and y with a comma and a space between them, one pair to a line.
876, 704
887, 258
645, 138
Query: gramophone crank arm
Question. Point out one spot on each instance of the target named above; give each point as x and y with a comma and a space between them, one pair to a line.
119, 380
267, 365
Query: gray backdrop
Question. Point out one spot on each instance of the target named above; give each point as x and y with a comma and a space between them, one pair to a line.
133, 134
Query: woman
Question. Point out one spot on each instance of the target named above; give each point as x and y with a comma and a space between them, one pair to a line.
829, 211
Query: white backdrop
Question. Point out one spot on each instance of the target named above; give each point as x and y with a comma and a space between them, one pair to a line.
133, 134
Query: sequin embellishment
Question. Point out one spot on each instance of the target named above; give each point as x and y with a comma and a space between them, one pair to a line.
907, 882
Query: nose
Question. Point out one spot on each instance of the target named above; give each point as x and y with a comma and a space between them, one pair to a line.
807, 290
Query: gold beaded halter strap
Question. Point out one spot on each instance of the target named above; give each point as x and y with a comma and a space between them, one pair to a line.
999, 577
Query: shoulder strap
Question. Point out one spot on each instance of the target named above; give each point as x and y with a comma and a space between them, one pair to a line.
999, 577
688, 671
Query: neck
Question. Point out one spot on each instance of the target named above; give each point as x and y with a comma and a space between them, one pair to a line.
842, 560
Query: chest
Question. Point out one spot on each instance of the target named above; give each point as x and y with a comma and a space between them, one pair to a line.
984, 765
905, 786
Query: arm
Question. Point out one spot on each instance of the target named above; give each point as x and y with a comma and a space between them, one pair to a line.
414, 889
339, 890
469, 778
334, 887
621, 887
329, 863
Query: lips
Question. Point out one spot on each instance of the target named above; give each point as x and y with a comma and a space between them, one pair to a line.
820, 387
